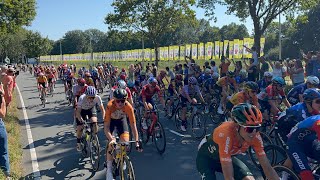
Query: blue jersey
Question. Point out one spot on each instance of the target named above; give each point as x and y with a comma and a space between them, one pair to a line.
240, 80
293, 95
296, 113
263, 84
203, 78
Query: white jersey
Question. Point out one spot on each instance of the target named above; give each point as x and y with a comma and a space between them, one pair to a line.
86, 104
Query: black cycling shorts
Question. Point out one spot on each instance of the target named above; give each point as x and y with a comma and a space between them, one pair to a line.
43, 85
90, 113
120, 124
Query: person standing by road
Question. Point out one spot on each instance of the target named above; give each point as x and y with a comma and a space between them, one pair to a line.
4, 152
264, 67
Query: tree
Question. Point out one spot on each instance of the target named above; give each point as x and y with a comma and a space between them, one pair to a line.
35, 45
75, 42
261, 12
15, 14
234, 31
152, 18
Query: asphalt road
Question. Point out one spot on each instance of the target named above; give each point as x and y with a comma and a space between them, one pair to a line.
55, 143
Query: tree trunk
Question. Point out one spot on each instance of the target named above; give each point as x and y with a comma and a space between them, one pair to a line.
156, 49
257, 36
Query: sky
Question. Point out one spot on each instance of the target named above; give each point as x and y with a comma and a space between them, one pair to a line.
56, 17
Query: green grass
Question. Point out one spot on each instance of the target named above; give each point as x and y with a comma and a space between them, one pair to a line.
15, 148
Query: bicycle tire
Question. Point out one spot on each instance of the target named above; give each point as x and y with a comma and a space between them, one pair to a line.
266, 141
95, 152
130, 175
84, 150
198, 126
156, 137
144, 135
291, 175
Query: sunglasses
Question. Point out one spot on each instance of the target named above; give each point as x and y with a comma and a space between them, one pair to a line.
251, 129
91, 97
120, 101
317, 101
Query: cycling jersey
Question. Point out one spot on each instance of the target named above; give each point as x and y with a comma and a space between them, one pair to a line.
147, 93
241, 97
270, 94
78, 90
86, 104
222, 82
114, 113
312, 123
89, 81
174, 85
203, 78
42, 79
240, 80
186, 90
263, 84
293, 95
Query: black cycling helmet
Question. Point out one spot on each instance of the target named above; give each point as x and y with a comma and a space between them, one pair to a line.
230, 74
246, 114
120, 94
311, 94
250, 85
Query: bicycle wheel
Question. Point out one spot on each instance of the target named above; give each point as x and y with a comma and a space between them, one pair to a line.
198, 126
285, 173
127, 171
95, 152
84, 150
177, 119
159, 137
144, 135
266, 141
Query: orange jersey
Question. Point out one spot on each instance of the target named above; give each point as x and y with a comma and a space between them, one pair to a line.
42, 79
229, 144
112, 112
241, 97
222, 82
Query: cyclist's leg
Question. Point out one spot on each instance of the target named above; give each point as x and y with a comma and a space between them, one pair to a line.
93, 118
206, 167
79, 132
109, 158
241, 170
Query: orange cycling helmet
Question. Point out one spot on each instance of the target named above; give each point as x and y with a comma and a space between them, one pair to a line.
246, 115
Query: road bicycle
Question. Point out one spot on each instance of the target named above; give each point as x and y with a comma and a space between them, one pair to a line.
90, 145
122, 165
51, 89
198, 121
43, 96
100, 86
171, 109
70, 97
155, 129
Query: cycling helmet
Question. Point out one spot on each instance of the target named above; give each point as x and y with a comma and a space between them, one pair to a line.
122, 84
87, 74
120, 94
130, 84
123, 77
192, 80
311, 94
215, 75
243, 73
230, 74
207, 71
41, 74
91, 91
278, 80
152, 80
250, 85
246, 114
81, 81
313, 80
179, 77
267, 74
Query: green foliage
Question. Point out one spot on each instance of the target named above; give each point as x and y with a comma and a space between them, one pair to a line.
35, 45
15, 14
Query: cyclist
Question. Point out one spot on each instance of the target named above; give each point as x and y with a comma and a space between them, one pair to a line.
146, 101
299, 112
303, 143
216, 152
160, 77
116, 112
95, 76
205, 76
50, 77
295, 94
242, 77
42, 81
224, 85
265, 81
87, 107
88, 79
79, 89
122, 85
174, 88
188, 93
268, 98
247, 95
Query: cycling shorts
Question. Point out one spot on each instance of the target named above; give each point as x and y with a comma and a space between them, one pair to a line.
147, 100
89, 112
120, 124
43, 85
184, 101
300, 147
50, 80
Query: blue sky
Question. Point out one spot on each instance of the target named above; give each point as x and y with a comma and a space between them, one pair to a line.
56, 17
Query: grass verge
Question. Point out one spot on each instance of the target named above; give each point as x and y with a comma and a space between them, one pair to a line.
14, 136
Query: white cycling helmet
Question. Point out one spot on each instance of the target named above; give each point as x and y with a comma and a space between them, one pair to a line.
215, 75
267, 74
313, 80
91, 91
122, 84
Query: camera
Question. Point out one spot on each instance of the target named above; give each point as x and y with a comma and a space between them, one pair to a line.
17, 73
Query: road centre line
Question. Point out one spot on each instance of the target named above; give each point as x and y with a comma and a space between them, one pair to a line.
179, 134
33, 154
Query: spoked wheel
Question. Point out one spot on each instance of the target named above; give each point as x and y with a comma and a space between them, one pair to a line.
213, 113
95, 152
159, 138
144, 135
177, 119
285, 173
127, 171
198, 126
84, 146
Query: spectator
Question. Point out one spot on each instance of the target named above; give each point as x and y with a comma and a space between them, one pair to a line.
180, 70
254, 53
224, 66
264, 67
4, 154
277, 69
154, 70
185, 73
314, 64
131, 72
307, 57
252, 70
214, 68
8, 85
171, 74
237, 67
296, 73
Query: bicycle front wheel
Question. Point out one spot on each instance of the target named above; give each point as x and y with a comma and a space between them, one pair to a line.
198, 126
285, 173
126, 172
159, 138
95, 152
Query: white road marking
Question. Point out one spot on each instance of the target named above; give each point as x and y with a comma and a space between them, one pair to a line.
33, 154
179, 134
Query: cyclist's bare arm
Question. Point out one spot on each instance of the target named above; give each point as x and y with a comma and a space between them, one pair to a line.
227, 169
286, 102
267, 168
107, 119
273, 105
78, 114
103, 112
